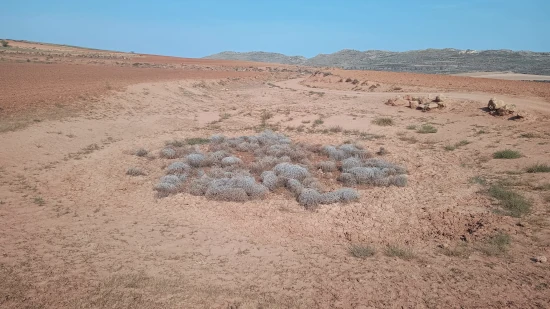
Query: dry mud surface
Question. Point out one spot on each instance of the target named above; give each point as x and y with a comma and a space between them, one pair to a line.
77, 232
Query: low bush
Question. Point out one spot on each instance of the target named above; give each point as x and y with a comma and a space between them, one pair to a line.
168, 153
135, 171
400, 252
538, 168
216, 172
361, 251
507, 154
426, 128
384, 122
141, 152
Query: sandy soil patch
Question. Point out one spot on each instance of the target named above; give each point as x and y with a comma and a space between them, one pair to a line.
73, 223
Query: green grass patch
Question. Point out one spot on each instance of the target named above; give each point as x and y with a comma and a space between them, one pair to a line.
515, 204
361, 251
426, 128
496, 245
384, 122
507, 154
538, 168
400, 252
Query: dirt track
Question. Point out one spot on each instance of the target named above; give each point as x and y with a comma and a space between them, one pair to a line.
72, 223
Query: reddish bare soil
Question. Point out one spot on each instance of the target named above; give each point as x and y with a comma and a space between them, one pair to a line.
26, 86
450, 83
77, 232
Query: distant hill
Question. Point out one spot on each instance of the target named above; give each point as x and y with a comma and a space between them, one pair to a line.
442, 61
259, 57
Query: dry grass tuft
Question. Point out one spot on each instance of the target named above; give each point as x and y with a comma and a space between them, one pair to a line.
400, 252
361, 251
507, 154
426, 128
384, 122
538, 168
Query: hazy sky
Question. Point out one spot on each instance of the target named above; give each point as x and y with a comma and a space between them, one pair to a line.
293, 27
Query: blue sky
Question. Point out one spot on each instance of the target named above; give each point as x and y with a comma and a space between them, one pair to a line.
293, 27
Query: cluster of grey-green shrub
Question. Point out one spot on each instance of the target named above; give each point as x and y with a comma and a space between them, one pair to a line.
274, 162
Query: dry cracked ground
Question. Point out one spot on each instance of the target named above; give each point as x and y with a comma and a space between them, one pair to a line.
78, 232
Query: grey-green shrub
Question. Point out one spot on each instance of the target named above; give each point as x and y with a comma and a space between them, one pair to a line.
327, 166
294, 186
217, 139
168, 153
347, 179
178, 168
270, 180
309, 198
350, 163
173, 179
231, 161
141, 152
289, 170
195, 159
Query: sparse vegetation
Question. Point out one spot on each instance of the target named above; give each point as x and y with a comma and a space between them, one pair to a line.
478, 180
507, 154
39, 201
318, 122
409, 139
400, 252
384, 122
456, 145
515, 204
196, 141
134, 171
335, 129
141, 152
461, 250
4, 43
529, 135
426, 128
496, 245
361, 251
277, 163
538, 168
411, 127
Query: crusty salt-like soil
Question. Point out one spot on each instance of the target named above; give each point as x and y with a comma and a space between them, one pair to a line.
77, 232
